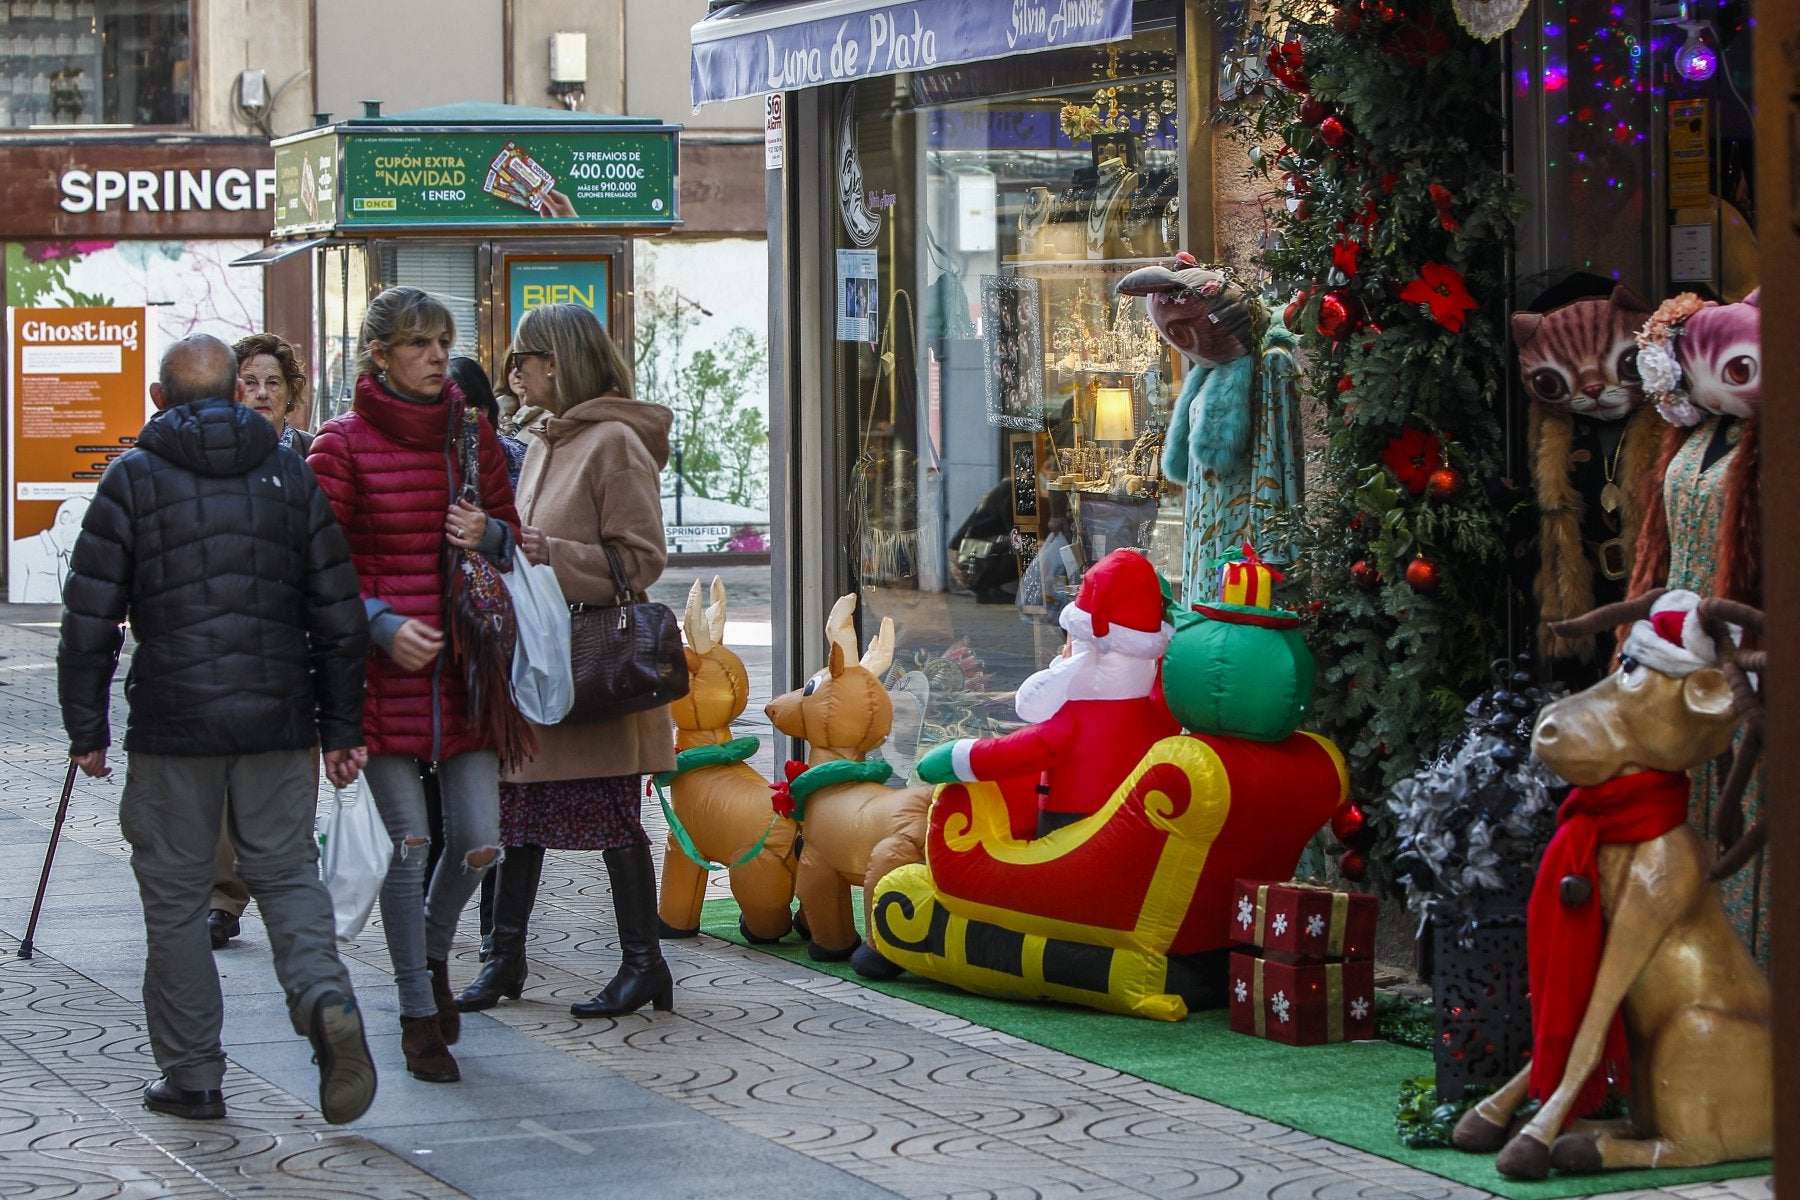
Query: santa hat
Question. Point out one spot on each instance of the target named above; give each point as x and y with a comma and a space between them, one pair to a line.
1120, 608
1673, 641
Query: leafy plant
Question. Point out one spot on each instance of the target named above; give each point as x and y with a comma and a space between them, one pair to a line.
1393, 213
1420, 1121
1405, 1021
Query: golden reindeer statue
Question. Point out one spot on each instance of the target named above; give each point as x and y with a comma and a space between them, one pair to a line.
1629, 874
719, 800
854, 830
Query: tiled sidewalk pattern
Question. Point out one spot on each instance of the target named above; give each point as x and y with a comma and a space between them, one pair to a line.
767, 1080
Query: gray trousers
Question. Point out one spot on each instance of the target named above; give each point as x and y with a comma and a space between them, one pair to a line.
420, 920
171, 814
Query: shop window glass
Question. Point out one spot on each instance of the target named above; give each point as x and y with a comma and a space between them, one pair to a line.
1003, 409
343, 291
88, 62
1636, 170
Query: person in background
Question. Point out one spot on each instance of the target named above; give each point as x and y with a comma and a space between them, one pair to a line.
273, 382
238, 678
392, 468
591, 481
467, 374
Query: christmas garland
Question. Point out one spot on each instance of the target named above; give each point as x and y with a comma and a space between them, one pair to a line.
1395, 229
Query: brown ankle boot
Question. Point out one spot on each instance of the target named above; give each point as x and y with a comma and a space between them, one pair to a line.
449, 1017
427, 1057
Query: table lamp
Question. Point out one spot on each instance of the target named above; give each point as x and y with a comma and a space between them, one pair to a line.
1113, 418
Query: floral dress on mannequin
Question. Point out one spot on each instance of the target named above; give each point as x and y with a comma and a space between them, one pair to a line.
1703, 366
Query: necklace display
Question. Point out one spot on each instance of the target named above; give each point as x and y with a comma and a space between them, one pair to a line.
1613, 563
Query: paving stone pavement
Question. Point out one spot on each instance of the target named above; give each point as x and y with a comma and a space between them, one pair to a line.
767, 1079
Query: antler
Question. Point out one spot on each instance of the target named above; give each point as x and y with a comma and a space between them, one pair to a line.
715, 612
1716, 617
881, 650
1607, 616
699, 635
840, 628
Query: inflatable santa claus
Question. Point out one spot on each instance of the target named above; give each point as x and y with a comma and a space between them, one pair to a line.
1096, 710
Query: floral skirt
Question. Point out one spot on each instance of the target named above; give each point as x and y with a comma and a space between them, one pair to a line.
601, 813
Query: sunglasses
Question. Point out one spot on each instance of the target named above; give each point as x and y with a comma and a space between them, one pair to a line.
517, 357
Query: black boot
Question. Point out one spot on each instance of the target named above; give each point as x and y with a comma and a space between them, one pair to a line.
486, 910
643, 976
504, 972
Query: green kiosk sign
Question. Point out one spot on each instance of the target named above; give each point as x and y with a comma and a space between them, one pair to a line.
382, 175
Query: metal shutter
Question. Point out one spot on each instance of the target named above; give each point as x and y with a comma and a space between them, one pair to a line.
447, 272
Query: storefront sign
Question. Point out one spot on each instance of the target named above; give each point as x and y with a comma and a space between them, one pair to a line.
82, 190
525, 175
741, 54
535, 282
1690, 154
77, 403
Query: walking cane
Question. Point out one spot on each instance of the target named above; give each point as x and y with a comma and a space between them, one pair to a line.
37, 906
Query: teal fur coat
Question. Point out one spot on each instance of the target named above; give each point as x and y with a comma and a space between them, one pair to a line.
1235, 446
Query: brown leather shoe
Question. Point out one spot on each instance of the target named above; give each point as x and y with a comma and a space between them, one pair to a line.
449, 1017
427, 1057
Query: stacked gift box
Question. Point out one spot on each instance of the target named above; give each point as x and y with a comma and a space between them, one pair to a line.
1306, 974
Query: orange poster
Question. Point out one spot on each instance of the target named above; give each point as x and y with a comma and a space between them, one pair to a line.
77, 400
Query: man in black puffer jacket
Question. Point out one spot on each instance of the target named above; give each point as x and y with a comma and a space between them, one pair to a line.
218, 546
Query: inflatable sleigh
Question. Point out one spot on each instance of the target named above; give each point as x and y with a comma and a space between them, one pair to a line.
1128, 909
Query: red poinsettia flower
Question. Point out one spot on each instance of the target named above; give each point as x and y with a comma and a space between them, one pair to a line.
1440, 288
1343, 254
1287, 65
1412, 457
1417, 40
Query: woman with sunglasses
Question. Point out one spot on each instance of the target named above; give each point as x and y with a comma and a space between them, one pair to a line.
392, 469
592, 479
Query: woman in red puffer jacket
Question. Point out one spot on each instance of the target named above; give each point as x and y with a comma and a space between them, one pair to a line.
391, 468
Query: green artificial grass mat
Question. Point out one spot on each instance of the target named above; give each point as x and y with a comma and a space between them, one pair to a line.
1346, 1092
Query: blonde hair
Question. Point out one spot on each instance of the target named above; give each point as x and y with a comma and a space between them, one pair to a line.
293, 374
397, 316
588, 364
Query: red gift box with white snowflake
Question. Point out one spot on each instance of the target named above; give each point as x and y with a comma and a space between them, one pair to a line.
1302, 1004
1302, 922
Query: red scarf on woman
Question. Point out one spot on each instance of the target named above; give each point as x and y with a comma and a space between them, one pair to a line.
1565, 944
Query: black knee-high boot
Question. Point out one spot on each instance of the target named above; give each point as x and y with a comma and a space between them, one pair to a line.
643, 976
504, 972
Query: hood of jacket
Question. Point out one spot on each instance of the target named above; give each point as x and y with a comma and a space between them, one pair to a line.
214, 437
416, 424
650, 422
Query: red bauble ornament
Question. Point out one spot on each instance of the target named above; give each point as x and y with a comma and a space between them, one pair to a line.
1334, 133
1339, 315
1346, 384
1444, 483
1287, 65
1363, 574
1347, 820
1313, 110
1354, 865
1422, 575
1291, 313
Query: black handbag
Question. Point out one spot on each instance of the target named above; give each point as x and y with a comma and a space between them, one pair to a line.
626, 657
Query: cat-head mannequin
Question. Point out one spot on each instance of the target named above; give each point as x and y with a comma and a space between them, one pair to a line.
1720, 351
1581, 357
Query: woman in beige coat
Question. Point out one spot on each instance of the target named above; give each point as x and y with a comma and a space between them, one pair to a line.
591, 479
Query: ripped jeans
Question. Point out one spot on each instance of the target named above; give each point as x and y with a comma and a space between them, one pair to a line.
470, 787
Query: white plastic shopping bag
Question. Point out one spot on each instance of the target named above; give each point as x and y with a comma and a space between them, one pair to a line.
543, 682
354, 852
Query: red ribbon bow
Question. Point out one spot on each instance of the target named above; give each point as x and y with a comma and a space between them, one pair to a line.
1252, 558
782, 798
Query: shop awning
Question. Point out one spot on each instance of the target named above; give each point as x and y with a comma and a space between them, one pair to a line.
277, 252
747, 49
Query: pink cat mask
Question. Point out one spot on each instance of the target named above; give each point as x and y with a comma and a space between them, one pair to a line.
1698, 358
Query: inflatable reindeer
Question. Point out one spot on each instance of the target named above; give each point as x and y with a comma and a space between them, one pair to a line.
854, 829
1625, 919
720, 801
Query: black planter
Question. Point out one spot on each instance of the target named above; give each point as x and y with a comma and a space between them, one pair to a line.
1483, 994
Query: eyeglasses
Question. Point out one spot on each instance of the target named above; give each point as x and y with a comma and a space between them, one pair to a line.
517, 357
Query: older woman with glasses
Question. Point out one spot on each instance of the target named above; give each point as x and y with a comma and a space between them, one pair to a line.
592, 479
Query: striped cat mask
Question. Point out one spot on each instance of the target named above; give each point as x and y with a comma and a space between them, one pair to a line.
1582, 357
